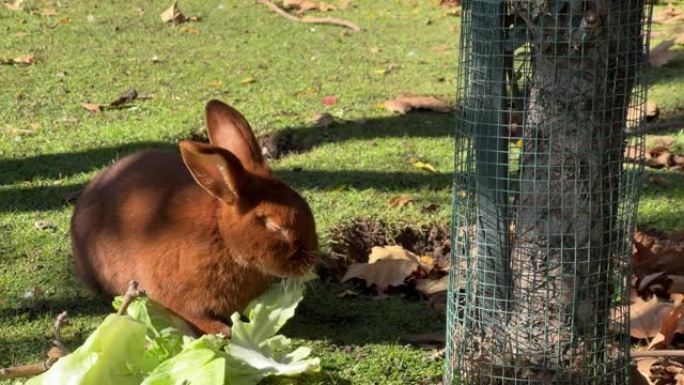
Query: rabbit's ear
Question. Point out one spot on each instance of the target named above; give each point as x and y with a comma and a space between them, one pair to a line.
227, 128
218, 171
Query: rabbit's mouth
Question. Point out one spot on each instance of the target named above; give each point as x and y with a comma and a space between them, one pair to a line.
301, 261
304, 257
296, 264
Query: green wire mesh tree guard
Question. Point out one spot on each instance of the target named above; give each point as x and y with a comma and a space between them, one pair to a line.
552, 94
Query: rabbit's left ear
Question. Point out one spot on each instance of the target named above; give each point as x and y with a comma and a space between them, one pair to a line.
215, 169
228, 129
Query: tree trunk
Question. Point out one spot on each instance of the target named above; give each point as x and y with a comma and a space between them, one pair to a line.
567, 253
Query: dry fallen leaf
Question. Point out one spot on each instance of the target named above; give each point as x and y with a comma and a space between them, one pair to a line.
441, 48
387, 266
658, 149
450, 3
644, 366
668, 328
649, 112
344, 4
92, 107
330, 100
647, 317
456, 11
43, 224
21, 59
657, 253
384, 71
48, 12
423, 166
173, 14
25, 59
391, 253
248, 80
432, 286
302, 6
634, 153
661, 54
16, 6
679, 377
427, 262
676, 284
652, 110
405, 103
122, 100
190, 30
383, 273
399, 201
669, 15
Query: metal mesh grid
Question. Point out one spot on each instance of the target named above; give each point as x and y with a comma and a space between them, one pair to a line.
552, 93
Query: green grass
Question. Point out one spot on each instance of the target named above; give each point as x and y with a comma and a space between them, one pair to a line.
50, 147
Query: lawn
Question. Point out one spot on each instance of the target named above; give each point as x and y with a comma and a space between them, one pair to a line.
277, 73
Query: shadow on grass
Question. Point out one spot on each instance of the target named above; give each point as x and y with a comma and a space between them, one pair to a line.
418, 124
57, 166
359, 320
74, 306
672, 73
15, 350
32, 189
665, 125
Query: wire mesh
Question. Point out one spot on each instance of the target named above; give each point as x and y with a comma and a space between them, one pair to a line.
552, 95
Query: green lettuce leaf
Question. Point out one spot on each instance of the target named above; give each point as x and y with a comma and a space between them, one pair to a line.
153, 346
201, 362
165, 330
114, 354
254, 346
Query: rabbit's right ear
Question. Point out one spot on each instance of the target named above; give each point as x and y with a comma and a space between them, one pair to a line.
218, 171
227, 128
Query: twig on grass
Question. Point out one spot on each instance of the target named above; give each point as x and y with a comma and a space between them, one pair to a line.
311, 20
26, 370
132, 293
57, 351
57, 342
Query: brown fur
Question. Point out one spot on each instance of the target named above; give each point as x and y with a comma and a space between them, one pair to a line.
203, 233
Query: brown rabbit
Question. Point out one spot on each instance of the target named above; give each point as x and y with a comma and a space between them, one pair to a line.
203, 233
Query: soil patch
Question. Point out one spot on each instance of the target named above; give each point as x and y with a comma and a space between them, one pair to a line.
352, 242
